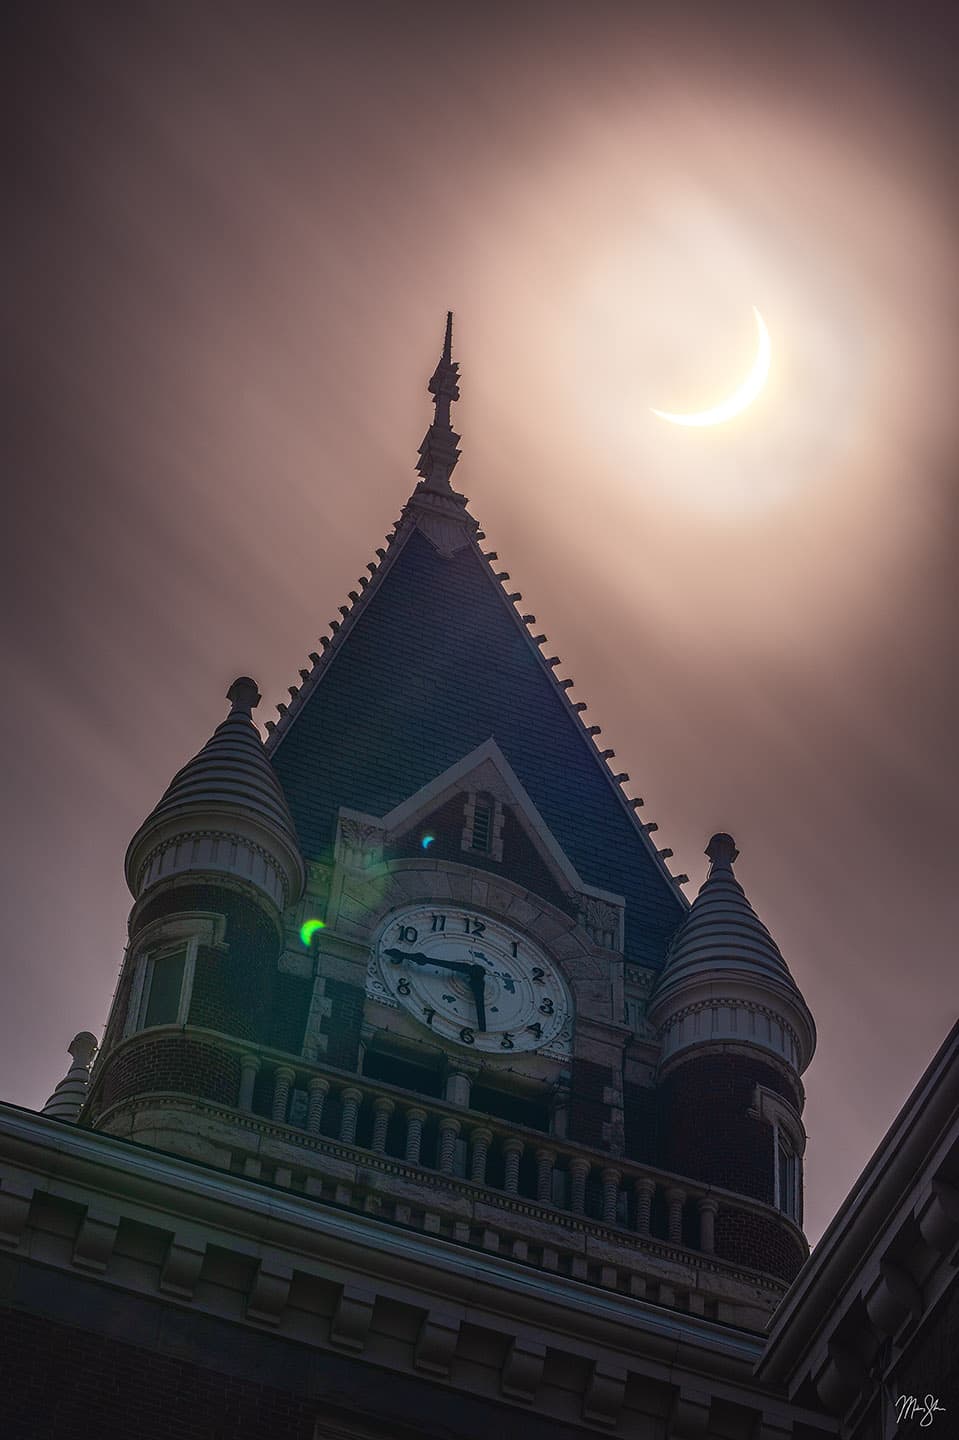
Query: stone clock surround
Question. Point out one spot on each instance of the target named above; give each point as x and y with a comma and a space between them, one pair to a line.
359, 901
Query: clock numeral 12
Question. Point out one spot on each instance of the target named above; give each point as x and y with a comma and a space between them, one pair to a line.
473, 927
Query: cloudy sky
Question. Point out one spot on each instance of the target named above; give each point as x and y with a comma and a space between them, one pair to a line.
236, 229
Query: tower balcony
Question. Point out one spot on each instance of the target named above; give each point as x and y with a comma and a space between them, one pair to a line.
465, 1177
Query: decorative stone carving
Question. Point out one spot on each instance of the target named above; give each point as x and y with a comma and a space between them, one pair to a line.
359, 843
523, 1369
270, 1292
94, 1243
602, 921
604, 1396
351, 1321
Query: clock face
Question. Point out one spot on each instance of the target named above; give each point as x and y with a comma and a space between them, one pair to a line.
472, 980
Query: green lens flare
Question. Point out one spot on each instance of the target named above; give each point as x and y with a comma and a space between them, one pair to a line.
309, 928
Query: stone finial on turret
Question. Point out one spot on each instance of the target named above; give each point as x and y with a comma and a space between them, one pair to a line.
67, 1099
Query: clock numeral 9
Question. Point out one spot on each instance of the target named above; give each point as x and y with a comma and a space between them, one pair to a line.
404, 986
538, 974
467, 1036
547, 1007
507, 1042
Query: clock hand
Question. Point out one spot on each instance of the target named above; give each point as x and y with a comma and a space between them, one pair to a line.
478, 987
457, 966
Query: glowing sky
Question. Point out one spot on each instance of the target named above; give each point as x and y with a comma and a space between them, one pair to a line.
238, 230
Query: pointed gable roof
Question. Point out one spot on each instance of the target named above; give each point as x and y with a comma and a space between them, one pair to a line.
431, 661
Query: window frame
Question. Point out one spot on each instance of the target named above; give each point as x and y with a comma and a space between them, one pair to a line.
165, 937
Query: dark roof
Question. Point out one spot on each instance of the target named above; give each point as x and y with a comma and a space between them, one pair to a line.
433, 664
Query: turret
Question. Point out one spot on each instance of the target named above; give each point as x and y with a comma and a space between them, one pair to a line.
211, 870
736, 1036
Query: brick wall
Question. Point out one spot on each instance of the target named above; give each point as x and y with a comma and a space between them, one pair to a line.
170, 1062
706, 1131
588, 1111
759, 1241
641, 1118
342, 1025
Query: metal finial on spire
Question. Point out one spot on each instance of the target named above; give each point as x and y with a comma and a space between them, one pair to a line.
438, 452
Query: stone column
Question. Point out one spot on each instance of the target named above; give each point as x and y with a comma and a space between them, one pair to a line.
319, 1089
415, 1120
611, 1179
645, 1190
249, 1069
282, 1080
578, 1174
675, 1199
559, 1113
707, 1230
545, 1161
512, 1150
351, 1100
449, 1129
383, 1108
459, 1083
482, 1139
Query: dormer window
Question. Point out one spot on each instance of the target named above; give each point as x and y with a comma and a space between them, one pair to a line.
483, 825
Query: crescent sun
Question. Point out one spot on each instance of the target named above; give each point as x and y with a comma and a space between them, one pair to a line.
740, 398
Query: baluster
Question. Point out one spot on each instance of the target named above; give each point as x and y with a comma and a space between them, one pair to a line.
282, 1080
645, 1190
512, 1151
350, 1100
383, 1108
319, 1089
482, 1139
675, 1199
415, 1120
449, 1129
545, 1161
611, 1179
578, 1175
707, 1216
249, 1069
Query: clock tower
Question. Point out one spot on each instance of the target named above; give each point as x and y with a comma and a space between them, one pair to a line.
414, 972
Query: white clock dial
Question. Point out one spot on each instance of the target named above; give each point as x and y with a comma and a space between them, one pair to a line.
472, 980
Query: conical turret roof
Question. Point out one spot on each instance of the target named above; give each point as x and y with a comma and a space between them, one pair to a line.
228, 788
232, 769
722, 930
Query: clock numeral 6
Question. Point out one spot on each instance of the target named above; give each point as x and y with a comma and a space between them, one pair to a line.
404, 986
467, 1036
507, 1042
547, 1007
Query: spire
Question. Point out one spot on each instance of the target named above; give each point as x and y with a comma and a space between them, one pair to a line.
438, 452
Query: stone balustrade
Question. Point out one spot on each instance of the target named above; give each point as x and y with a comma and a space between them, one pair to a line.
481, 1149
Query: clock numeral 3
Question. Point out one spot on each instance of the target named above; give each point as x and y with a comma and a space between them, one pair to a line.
547, 1007
467, 1036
